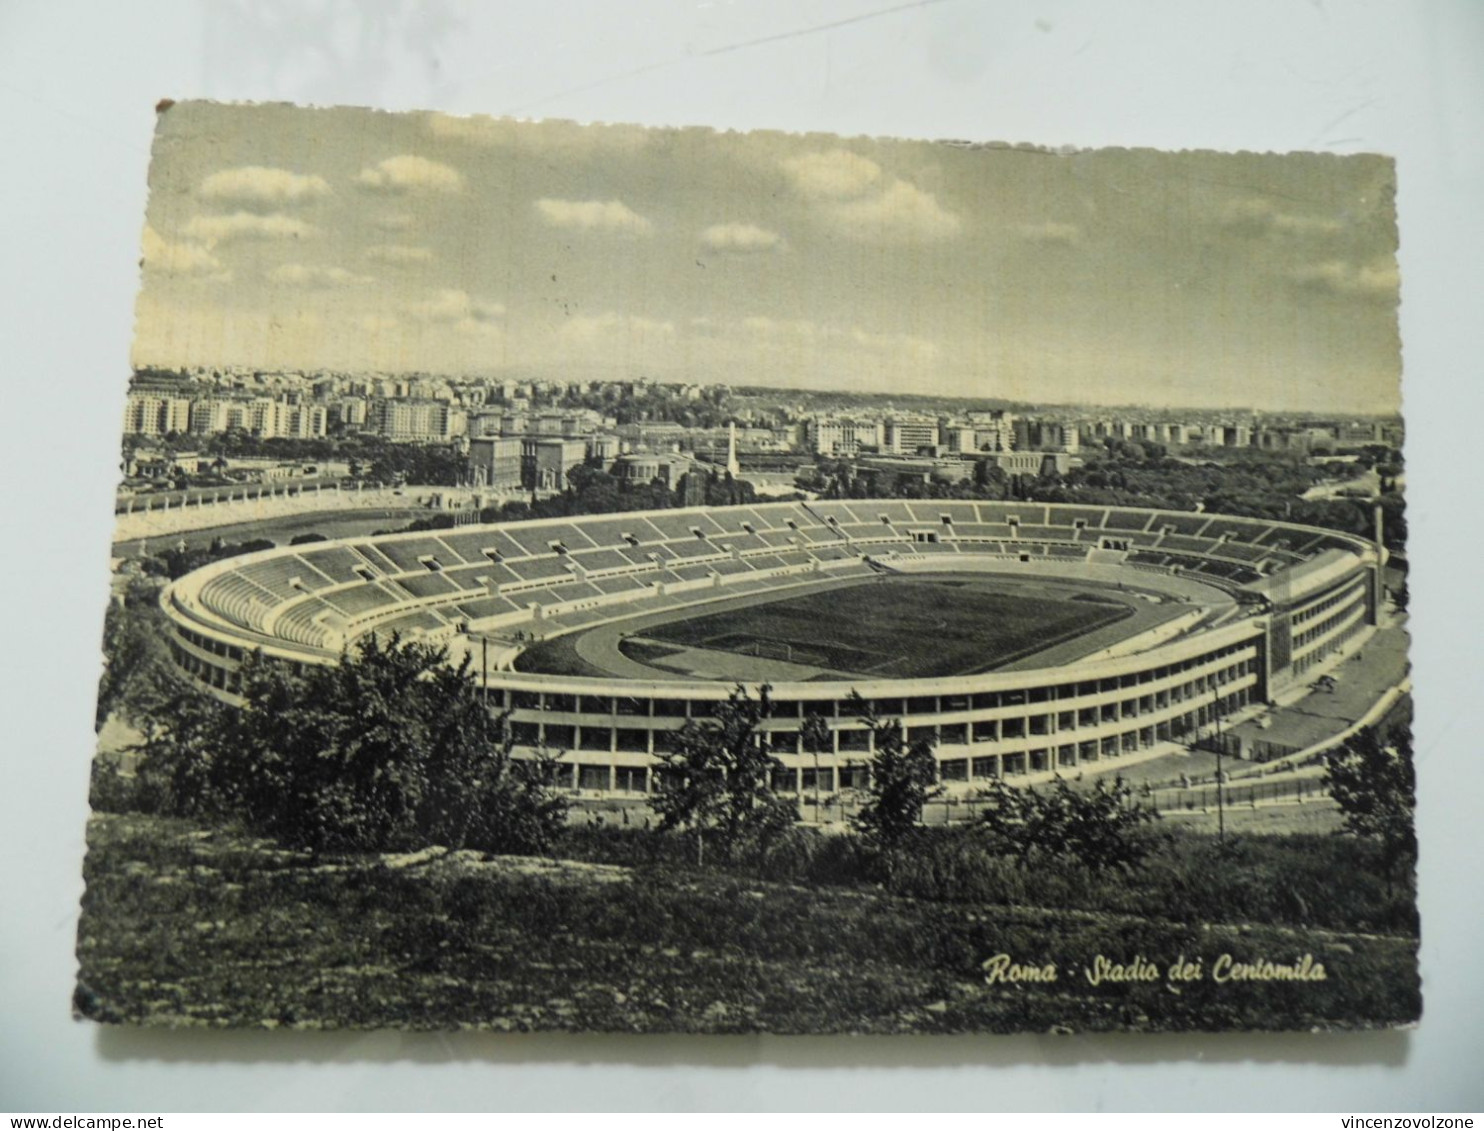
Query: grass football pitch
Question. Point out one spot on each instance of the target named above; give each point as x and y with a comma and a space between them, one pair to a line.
899, 628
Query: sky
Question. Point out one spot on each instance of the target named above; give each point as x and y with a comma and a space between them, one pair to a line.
280, 237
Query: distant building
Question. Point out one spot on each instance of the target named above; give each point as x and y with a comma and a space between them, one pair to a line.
404, 421
149, 414
843, 435
1029, 463
907, 435
495, 462
545, 461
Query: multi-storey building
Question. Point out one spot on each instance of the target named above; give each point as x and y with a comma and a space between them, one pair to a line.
412, 420
495, 462
151, 414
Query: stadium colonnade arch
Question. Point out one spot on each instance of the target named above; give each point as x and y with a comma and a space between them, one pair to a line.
1251, 606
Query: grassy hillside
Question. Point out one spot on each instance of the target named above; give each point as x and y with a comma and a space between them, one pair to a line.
184, 925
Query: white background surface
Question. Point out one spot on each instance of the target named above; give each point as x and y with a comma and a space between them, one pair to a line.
78, 83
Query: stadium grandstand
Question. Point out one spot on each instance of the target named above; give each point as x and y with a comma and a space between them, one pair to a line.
1023, 638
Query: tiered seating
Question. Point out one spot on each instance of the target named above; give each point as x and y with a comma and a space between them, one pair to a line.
1180, 523
376, 558
334, 562
1001, 512
1181, 544
695, 548
357, 599
238, 599
533, 569
896, 512
486, 607
601, 559
298, 623
741, 542
1236, 531
621, 584
672, 527
406, 552
1078, 552
1124, 520
1044, 533
276, 575
427, 585
1070, 516
1242, 551
980, 530
418, 619
731, 566
830, 553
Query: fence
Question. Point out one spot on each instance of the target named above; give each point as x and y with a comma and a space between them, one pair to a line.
1289, 791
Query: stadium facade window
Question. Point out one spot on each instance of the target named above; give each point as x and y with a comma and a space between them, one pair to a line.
820, 781
985, 768
559, 736
631, 740
594, 777
595, 738
953, 769
631, 779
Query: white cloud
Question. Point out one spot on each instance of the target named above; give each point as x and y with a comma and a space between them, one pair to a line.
180, 259
377, 324
256, 186
593, 215
456, 306
543, 136
741, 238
1377, 279
802, 333
900, 213
410, 174
212, 229
399, 254
298, 275
836, 175
1257, 217
1049, 232
634, 328
395, 222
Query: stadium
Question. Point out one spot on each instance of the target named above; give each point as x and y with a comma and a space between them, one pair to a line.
1025, 639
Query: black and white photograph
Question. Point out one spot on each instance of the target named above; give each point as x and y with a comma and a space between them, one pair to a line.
606, 579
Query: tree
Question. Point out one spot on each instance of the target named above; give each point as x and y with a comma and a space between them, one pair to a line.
1101, 828
903, 777
1373, 781
390, 749
716, 781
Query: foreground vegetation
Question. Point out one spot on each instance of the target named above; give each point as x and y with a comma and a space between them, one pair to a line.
185, 925
356, 846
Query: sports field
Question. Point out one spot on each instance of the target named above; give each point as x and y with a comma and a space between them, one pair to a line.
894, 628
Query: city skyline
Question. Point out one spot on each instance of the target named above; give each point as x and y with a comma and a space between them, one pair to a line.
491, 248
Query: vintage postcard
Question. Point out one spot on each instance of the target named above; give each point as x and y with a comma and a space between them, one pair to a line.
597, 578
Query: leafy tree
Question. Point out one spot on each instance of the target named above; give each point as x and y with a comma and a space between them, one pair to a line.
1101, 828
390, 749
715, 782
1373, 780
903, 777
135, 661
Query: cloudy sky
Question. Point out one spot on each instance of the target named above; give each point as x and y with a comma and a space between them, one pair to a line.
349, 239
